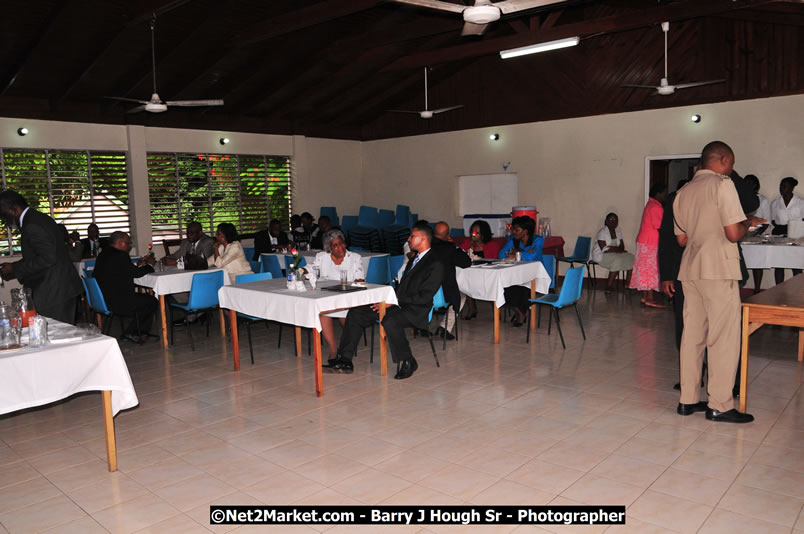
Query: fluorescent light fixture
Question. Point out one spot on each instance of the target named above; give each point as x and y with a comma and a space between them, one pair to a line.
540, 47
22, 131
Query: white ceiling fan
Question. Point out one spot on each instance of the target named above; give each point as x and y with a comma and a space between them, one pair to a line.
156, 104
478, 16
426, 113
664, 88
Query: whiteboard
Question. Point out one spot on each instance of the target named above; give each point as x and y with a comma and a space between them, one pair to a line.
488, 193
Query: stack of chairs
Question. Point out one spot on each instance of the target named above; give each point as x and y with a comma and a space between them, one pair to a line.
332, 213
396, 233
366, 235
348, 222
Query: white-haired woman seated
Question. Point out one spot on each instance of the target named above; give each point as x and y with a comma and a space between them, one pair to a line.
334, 259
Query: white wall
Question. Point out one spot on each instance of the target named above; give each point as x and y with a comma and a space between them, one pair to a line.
577, 170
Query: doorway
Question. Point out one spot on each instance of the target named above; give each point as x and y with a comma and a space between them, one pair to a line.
669, 171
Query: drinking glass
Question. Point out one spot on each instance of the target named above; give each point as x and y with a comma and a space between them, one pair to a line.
344, 277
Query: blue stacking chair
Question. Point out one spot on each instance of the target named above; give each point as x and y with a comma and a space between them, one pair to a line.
456, 232
330, 212
270, 264
440, 304
89, 268
583, 248
569, 296
256, 266
249, 319
366, 234
248, 252
385, 218
395, 264
98, 304
348, 222
402, 215
378, 271
203, 298
549, 262
289, 262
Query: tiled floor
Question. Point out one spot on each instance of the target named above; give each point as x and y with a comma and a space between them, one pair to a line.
506, 424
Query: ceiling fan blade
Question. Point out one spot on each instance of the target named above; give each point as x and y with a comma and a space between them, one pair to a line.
124, 99
433, 4
191, 103
696, 84
638, 86
135, 110
402, 111
442, 110
470, 28
512, 6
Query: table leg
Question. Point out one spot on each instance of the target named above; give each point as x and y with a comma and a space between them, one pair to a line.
99, 319
746, 333
108, 422
223, 323
298, 341
801, 345
319, 376
496, 324
533, 306
383, 344
164, 320
235, 340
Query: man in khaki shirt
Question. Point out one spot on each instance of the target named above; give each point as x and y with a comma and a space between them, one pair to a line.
708, 223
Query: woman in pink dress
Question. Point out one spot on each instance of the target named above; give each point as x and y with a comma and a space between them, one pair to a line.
646, 266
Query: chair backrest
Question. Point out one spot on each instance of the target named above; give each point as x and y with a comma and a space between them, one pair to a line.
438, 302
582, 247
571, 288
204, 290
96, 296
348, 222
89, 268
378, 270
395, 264
402, 215
549, 262
248, 252
255, 277
289, 262
329, 211
256, 266
270, 264
456, 232
385, 218
368, 217
86, 292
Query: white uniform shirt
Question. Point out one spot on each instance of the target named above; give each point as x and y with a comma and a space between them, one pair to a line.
781, 214
352, 263
605, 235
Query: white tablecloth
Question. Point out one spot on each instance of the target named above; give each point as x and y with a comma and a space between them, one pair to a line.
309, 255
488, 282
764, 256
33, 377
272, 300
172, 280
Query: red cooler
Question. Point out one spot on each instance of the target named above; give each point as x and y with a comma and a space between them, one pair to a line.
530, 211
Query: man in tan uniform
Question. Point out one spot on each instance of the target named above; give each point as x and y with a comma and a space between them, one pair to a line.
708, 223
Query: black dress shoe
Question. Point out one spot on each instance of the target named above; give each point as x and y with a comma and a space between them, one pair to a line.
732, 416
689, 409
398, 367
440, 333
407, 369
341, 365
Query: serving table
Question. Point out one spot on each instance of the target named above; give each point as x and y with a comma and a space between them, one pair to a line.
488, 282
780, 253
273, 301
782, 304
71, 364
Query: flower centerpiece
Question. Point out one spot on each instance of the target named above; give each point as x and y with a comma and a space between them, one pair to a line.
297, 258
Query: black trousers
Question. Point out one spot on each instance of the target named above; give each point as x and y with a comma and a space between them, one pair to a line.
144, 308
394, 323
63, 310
517, 297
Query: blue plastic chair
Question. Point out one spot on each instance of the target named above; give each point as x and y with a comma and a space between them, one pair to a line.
569, 296
385, 218
348, 222
368, 217
549, 263
456, 232
395, 264
89, 268
248, 251
378, 271
402, 215
98, 304
270, 264
203, 298
358, 249
256, 266
583, 248
289, 262
250, 319
330, 212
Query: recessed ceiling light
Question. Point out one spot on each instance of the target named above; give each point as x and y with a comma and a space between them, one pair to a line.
494, 136
695, 118
22, 131
224, 140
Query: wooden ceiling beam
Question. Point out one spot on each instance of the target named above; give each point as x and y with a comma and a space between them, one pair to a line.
766, 17
301, 18
615, 23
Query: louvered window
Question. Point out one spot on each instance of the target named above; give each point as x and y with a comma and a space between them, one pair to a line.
74, 187
246, 191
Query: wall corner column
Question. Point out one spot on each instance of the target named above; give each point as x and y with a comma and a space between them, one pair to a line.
139, 197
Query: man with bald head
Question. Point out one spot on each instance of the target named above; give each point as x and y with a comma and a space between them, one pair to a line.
708, 223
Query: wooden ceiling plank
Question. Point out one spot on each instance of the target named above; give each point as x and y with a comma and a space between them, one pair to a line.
615, 23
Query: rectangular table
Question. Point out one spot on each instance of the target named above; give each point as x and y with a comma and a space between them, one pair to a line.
783, 304
309, 255
489, 283
168, 282
271, 300
768, 256
33, 377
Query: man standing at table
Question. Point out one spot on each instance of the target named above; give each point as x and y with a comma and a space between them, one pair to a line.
419, 284
708, 223
45, 266
115, 274
196, 243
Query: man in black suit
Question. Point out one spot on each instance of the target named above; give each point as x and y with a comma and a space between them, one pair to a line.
45, 266
115, 275
423, 276
93, 243
450, 256
271, 240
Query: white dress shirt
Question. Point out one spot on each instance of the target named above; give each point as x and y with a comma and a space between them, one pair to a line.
352, 263
781, 214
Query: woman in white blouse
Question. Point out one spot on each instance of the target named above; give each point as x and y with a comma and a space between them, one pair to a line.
334, 259
788, 207
229, 254
608, 251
